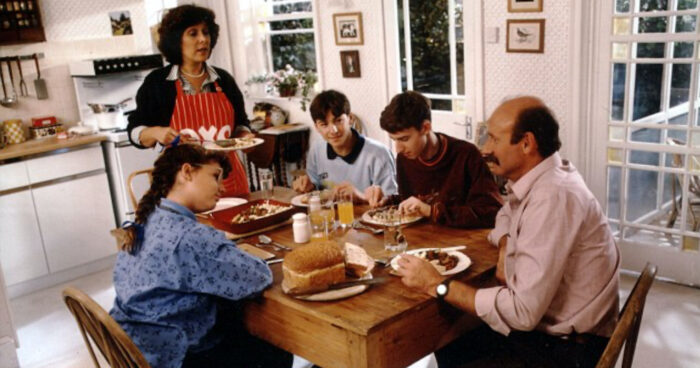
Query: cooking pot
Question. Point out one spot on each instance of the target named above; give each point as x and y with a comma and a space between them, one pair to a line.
109, 116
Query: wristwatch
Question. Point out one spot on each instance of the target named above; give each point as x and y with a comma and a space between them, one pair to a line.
442, 289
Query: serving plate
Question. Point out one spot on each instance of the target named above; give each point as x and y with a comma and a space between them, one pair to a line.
213, 146
222, 219
463, 261
405, 220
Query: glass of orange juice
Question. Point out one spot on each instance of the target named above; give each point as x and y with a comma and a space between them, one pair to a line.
345, 210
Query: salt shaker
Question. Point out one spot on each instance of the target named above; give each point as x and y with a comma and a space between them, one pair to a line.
302, 232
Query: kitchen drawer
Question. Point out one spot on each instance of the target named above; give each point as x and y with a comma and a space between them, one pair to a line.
65, 164
13, 176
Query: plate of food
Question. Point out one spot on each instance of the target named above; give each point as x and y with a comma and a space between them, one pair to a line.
447, 263
382, 216
233, 144
252, 215
225, 203
321, 271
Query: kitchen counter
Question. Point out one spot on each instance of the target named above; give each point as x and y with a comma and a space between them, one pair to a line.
36, 146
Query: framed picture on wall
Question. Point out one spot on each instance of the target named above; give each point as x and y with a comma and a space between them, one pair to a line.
525, 35
350, 62
517, 6
348, 28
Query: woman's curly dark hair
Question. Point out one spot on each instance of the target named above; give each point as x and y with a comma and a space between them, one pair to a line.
174, 24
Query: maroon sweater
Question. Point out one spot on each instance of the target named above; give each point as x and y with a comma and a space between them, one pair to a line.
457, 183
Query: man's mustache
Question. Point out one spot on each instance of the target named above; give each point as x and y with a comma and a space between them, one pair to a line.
491, 158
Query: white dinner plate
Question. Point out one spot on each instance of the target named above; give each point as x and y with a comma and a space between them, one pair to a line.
367, 218
462, 264
225, 203
212, 146
297, 200
334, 294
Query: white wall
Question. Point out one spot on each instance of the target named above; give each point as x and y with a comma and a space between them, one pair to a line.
75, 30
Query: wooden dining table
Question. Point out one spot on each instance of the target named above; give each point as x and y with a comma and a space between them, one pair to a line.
389, 324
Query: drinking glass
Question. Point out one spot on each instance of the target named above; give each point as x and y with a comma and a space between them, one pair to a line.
327, 210
346, 215
319, 226
266, 182
394, 240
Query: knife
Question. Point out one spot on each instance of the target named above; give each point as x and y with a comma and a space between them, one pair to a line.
341, 285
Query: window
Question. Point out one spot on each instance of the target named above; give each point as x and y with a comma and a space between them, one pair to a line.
432, 51
288, 34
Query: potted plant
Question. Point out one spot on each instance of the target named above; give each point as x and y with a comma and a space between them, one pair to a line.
289, 81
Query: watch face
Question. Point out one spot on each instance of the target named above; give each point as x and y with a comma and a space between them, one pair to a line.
441, 290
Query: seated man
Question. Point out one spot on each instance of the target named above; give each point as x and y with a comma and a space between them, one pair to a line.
557, 302
348, 162
440, 177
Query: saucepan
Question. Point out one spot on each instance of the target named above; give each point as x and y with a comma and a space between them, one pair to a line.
109, 116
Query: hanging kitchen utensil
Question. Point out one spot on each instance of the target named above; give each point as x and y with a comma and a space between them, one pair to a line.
10, 100
22, 84
2, 80
39, 84
13, 96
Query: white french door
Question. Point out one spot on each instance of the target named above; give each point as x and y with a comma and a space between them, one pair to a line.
646, 132
434, 47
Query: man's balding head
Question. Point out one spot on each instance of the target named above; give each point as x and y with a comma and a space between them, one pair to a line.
529, 114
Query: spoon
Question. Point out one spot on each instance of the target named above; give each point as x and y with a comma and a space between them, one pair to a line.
264, 239
12, 99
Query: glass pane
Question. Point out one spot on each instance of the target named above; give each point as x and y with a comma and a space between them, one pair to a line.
687, 4
614, 179
297, 50
679, 135
443, 105
622, 6
617, 105
691, 243
651, 25
644, 158
683, 50
621, 26
459, 37
694, 166
615, 156
686, 23
458, 106
298, 7
430, 47
651, 5
402, 50
651, 50
292, 24
679, 120
696, 139
642, 188
675, 160
619, 50
655, 238
616, 134
645, 135
669, 190
647, 90
680, 84
460, 68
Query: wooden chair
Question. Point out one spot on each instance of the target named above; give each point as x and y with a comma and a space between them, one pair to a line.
114, 344
130, 184
693, 187
627, 327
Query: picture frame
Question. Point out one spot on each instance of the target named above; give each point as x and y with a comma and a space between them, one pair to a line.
348, 28
350, 63
525, 35
525, 6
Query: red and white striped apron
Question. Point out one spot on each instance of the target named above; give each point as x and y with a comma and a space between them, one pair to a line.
209, 116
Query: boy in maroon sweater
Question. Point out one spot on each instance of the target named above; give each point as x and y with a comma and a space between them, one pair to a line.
440, 177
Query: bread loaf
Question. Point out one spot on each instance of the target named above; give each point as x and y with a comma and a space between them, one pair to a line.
313, 267
357, 261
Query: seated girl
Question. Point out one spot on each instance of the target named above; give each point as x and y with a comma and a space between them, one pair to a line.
173, 273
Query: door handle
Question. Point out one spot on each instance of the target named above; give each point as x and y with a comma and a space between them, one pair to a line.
467, 126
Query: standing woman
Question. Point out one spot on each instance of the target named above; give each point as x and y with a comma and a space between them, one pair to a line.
188, 97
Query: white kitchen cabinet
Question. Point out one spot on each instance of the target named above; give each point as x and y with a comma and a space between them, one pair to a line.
76, 217
21, 250
8, 336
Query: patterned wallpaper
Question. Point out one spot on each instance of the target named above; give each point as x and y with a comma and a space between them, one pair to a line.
543, 75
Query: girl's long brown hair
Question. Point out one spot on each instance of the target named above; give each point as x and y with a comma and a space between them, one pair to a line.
165, 170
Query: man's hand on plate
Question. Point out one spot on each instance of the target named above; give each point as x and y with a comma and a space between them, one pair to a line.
417, 273
375, 197
303, 184
345, 189
415, 205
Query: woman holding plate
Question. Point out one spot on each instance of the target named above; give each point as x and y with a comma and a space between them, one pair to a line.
189, 98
